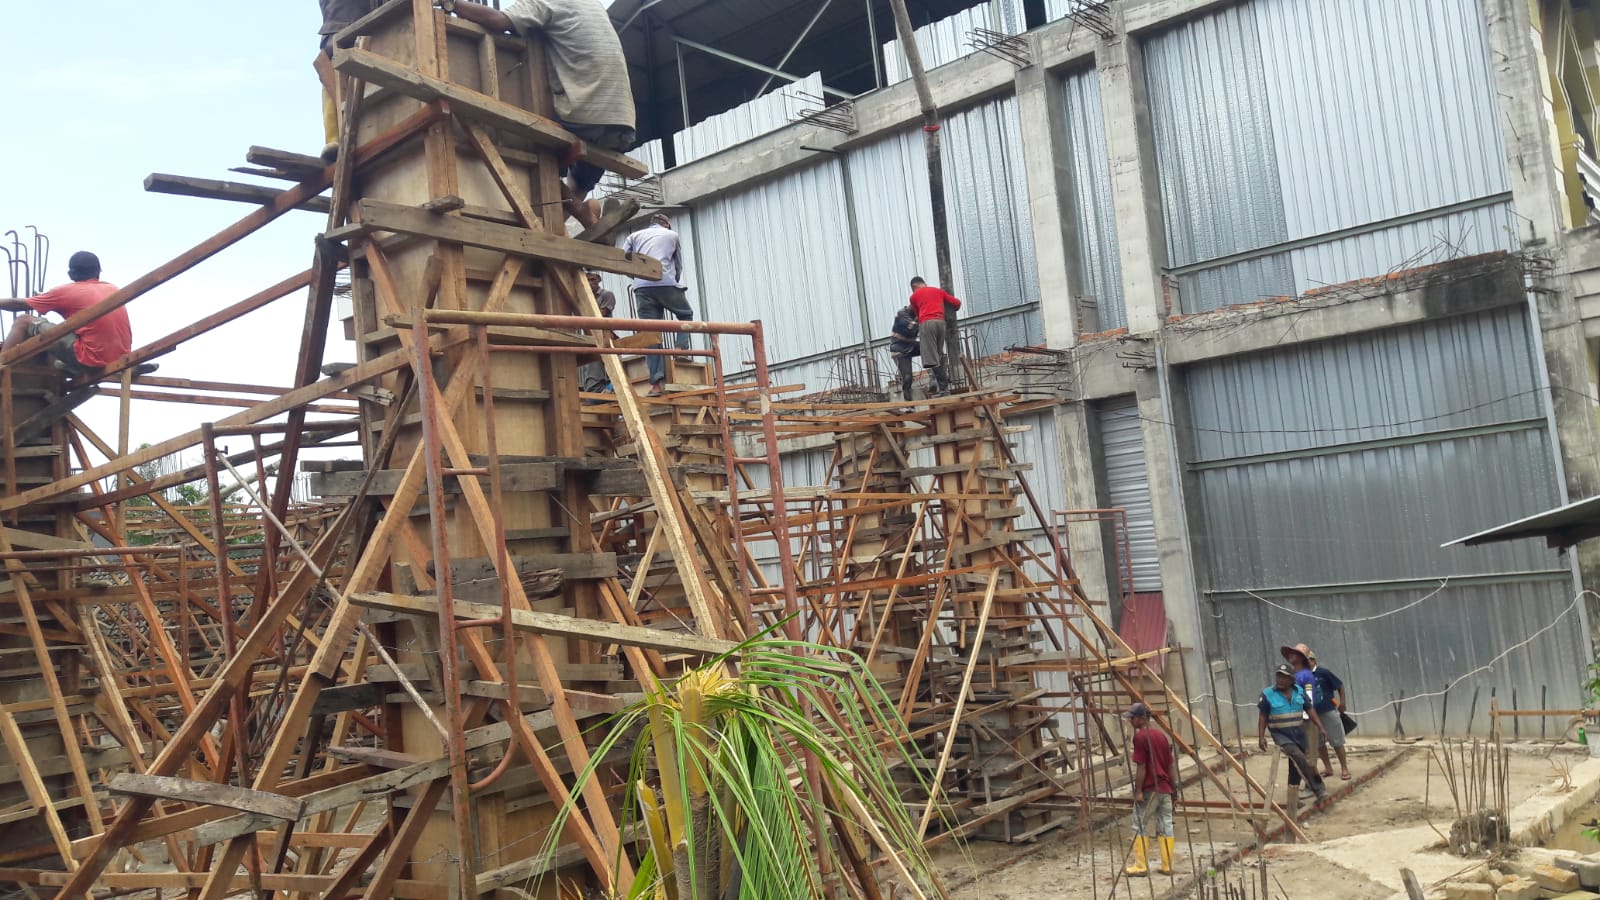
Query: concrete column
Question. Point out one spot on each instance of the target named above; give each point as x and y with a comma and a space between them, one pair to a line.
1533, 158
1523, 93
1178, 582
1041, 109
1141, 242
1079, 446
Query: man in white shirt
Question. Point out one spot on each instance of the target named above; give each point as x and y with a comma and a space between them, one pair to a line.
588, 75
666, 294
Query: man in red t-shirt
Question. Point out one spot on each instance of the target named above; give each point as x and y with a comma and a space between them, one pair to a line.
929, 303
94, 344
1152, 791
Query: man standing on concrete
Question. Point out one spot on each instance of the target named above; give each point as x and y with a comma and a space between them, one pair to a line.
903, 345
1284, 710
86, 351
1152, 791
588, 75
592, 378
664, 295
929, 302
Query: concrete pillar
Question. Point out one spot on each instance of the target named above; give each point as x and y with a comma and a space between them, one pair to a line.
1178, 581
1041, 109
1141, 242
1522, 90
1079, 446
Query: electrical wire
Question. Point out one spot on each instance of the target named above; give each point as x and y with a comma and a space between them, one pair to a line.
1486, 667
1412, 605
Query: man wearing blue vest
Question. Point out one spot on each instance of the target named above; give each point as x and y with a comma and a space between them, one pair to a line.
1284, 712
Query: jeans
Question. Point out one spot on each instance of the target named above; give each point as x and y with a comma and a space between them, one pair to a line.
655, 303
1157, 807
619, 138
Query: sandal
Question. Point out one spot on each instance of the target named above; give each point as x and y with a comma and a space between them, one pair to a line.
1344, 776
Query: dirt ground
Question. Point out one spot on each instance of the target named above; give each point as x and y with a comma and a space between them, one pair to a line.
1349, 858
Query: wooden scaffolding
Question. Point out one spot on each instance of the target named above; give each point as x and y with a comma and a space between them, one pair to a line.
387, 693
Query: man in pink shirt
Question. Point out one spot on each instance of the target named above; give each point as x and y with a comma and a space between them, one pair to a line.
93, 345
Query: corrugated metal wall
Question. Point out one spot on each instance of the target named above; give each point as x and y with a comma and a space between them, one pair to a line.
1127, 483
777, 252
987, 195
1095, 218
1265, 136
947, 40
1324, 479
769, 112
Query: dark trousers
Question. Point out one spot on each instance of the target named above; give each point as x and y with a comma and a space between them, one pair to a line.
1293, 745
655, 303
902, 364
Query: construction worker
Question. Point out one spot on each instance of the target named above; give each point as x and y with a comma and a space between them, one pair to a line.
588, 75
1328, 702
336, 16
1153, 789
592, 378
663, 295
86, 351
903, 345
1284, 711
1299, 658
929, 302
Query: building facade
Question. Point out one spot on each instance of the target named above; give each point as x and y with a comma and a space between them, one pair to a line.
1309, 287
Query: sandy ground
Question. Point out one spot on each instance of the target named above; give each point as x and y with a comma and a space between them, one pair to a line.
1358, 844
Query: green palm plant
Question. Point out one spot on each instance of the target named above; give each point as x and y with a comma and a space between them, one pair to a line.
753, 785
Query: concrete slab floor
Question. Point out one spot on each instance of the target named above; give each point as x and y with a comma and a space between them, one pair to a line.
1394, 817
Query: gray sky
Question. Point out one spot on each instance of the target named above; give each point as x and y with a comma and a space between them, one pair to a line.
104, 92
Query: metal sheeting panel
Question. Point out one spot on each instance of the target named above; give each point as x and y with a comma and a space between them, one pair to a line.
768, 112
1462, 629
1094, 212
1375, 515
948, 40
1127, 481
1453, 373
774, 252
890, 181
1263, 137
1391, 111
987, 196
992, 238
1038, 447
1213, 138
1434, 240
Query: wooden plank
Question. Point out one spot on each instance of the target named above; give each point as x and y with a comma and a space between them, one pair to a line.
516, 477
212, 189
166, 787
385, 72
346, 697
35, 541
575, 566
552, 623
300, 164
378, 216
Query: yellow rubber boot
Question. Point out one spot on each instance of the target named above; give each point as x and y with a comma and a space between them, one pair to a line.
1139, 864
1166, 856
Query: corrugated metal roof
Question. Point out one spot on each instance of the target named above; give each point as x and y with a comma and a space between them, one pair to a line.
1560, 527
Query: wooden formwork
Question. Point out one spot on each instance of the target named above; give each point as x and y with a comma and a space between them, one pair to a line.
391, 696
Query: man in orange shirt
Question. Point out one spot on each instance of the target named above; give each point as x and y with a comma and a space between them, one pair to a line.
929, 302
89, 349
